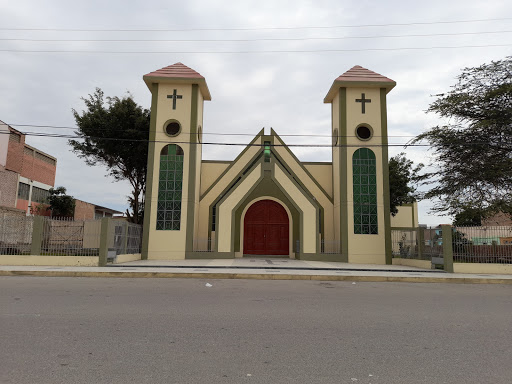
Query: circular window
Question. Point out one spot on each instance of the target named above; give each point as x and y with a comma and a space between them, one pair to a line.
364, 132
335, 136
172, 128
199, 133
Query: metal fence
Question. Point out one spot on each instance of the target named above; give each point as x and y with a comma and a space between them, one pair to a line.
482, 245
127, 237
15, 234
204, 245
416, 243
68, 237
432, 244
330, 247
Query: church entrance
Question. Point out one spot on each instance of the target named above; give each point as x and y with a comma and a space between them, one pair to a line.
266, 229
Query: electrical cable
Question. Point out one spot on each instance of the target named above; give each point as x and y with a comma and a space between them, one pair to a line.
257, 28
256, 52
241, 144
204, 133
252, 40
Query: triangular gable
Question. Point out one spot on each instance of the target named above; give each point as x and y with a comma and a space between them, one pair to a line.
233, 171
302, 175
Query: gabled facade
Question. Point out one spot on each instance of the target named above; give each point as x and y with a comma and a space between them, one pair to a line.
266, 201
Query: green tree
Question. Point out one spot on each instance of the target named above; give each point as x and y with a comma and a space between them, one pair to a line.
61, 205
472, 154
403, 176
114, 133
468, 217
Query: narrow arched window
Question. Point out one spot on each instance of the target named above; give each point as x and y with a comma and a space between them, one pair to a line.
170, 185
365, 191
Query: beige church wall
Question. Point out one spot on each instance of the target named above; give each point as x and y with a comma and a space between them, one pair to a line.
372, 116
290, 221
322, 173
220, 184
225, 209
181, 113
210, 171
308, 182
167, 244
309, 212
407, 216
367, 249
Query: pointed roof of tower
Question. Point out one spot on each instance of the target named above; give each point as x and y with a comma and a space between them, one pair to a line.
359, 77
178, 73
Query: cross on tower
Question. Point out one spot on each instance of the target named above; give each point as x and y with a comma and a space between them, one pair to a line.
175, 96
362, 100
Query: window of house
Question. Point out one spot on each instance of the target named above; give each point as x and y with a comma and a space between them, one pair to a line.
23, 191
40, 195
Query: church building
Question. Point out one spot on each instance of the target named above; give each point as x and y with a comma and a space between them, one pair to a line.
267, 202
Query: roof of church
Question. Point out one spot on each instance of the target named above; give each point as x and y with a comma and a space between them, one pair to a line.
359, 73
178, 70
360, 77
178, 73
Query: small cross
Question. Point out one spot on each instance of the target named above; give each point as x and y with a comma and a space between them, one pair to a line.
174, 96
362, 100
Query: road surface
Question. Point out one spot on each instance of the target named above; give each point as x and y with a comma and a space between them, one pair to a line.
108, 330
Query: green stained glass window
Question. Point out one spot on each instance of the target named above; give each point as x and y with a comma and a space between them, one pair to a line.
365, 192
267, 151
170, 182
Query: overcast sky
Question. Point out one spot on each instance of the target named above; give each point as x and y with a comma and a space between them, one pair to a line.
276, 76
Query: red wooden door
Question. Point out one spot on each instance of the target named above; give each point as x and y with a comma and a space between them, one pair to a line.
266, 229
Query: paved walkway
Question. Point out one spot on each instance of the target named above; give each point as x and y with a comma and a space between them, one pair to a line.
259, 268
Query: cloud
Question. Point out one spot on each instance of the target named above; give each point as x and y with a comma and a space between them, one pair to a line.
282, 90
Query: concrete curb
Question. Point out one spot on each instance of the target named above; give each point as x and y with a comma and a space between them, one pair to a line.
260, 276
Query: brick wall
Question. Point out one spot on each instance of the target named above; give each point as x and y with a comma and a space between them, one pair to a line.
36, 169
8, 187
83, 210
22, 204
15, 152
28, 161
11, 211
500, 219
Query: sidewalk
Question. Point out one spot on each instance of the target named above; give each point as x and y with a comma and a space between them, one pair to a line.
259, 268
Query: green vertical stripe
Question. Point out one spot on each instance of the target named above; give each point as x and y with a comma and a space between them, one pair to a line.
343, 172
149, 221
192, 171
385, 175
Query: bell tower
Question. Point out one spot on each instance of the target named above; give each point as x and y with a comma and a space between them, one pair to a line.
360, 165
174, 161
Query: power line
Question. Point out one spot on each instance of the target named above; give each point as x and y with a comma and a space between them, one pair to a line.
254, 28
257, 52
245, 144
204, 133
251, 40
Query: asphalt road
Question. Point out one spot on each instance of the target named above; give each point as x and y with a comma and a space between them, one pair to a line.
107, 330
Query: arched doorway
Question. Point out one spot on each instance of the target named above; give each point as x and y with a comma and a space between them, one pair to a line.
266, 229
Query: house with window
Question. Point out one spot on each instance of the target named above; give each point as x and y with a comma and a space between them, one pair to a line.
266, 201
26, 176
26, 173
